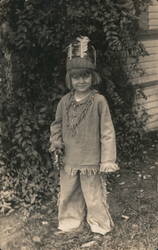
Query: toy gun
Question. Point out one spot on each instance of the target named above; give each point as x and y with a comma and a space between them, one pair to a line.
58, 159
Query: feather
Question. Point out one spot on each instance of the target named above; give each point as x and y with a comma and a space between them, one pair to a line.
70, 51
84, 40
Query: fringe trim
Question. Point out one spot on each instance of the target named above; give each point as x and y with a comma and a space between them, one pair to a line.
109, 167
106, 205
71, 124
104, 189
83, 171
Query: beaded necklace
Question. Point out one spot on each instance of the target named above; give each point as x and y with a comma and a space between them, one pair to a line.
84, 105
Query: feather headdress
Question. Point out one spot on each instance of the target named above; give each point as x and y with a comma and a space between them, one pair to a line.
81, 54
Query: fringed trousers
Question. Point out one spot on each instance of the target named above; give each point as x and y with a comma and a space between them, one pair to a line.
82, 196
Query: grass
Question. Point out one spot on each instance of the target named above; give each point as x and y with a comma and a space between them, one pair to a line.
133, 201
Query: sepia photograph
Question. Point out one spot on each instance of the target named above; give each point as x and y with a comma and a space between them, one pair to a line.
78, 124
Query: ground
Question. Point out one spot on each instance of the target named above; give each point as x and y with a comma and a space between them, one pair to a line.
133, 202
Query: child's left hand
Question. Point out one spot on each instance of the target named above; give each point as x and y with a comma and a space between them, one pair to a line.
108, 167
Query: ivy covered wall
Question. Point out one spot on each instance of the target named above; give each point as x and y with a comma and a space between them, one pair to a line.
34, 35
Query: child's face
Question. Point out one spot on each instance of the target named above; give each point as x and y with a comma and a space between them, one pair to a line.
81, 81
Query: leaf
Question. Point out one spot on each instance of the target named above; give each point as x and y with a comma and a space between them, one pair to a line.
89, 244
33, 198
125, 217
27, 128
36, 239
21, 156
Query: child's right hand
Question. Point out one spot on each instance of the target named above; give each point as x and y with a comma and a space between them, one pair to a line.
56, 146
57, 156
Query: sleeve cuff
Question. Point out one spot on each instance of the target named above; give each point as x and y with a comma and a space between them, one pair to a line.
108, 167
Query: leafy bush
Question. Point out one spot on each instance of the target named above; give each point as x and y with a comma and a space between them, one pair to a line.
34, 36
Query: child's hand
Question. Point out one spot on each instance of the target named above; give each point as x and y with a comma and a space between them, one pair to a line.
108, 167
57, 157
51, 149
56, 147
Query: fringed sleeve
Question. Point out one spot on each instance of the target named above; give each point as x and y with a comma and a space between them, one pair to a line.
107, 139
56, 141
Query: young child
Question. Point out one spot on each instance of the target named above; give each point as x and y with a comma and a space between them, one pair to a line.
83, 129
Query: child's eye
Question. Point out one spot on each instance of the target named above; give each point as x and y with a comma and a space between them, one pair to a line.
83, 75
75, 76
87, 74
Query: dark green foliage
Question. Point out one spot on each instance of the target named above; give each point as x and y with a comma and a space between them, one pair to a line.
36, 33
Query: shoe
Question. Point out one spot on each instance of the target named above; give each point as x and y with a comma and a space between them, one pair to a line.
71, 232
60, 232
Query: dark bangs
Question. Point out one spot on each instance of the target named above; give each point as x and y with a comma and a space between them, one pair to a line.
80, 72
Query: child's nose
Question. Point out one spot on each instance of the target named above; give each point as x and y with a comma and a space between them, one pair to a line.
81, 79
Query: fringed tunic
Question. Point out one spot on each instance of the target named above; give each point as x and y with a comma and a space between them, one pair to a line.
85, 131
